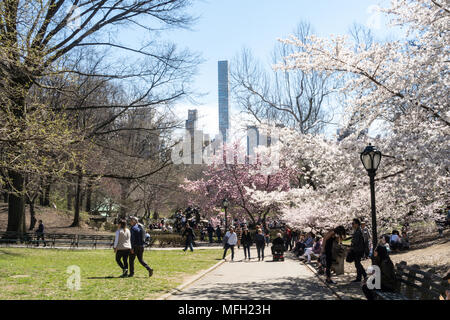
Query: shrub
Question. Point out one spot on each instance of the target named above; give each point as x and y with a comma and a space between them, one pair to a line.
168, 240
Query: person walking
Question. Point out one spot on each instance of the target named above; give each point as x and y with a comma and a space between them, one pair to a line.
190, 236
357, 249
327, 249
210, 231
137, 246
40, 234
267, 236
230, 240
260, 244
122, 246
288, 239
246, 242
388, 279
239, 235
219, 234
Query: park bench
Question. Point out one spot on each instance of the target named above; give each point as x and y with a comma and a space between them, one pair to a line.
105, 240
414, 284
94, 240
12, 237
60, 239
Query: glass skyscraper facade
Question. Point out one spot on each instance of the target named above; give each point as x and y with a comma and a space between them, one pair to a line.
224, 123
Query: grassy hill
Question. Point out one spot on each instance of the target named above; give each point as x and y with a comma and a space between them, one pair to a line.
55, 221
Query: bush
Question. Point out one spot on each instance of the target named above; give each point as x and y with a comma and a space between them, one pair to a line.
108, 226
168, 240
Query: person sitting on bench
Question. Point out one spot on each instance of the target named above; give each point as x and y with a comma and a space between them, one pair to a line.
388, 277
395, 241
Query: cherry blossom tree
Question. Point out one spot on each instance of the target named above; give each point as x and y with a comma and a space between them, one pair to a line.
237, 181
400, 88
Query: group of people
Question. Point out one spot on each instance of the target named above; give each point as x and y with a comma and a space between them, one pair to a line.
190, 216
395, 241
237, 237
358, 250
129, 243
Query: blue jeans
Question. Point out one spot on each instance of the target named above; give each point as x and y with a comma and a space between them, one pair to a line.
260, 249
226, 249
247, 250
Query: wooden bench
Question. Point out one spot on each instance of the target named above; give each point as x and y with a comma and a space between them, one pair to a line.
106, 240
94, 240
414, 284
61, 239
12, 237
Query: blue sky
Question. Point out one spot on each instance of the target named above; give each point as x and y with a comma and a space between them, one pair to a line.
226, 26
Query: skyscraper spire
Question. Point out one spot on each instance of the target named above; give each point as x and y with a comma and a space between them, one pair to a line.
224, 124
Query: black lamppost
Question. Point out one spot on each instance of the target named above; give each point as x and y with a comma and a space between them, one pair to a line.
225, 206
371, 159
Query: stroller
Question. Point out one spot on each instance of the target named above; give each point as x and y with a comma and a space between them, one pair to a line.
278, 252
148, 241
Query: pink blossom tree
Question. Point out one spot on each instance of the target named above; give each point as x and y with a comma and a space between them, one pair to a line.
237, 181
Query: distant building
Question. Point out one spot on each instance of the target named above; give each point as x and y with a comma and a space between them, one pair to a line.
224, 120
344, 133
252, 140
191, 122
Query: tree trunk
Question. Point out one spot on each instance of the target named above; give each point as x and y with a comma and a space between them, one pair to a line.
76, 218
88, 195
125, 187
16, 207
33, 219
41, 191
47, 194
69, 197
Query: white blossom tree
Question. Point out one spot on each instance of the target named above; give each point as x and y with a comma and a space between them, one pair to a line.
401, 89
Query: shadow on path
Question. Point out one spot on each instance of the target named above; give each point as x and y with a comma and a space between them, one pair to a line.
288, 288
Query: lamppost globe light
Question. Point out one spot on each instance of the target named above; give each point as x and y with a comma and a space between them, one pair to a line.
225, 203
371, 158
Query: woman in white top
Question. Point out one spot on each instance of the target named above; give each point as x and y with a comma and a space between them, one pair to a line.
122, 246
231, 240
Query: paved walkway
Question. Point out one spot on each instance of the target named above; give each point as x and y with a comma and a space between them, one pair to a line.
253, 280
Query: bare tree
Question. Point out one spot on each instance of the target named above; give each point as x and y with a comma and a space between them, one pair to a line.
294, 99
41, 38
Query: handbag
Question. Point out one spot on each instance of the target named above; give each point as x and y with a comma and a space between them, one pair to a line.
225, 241
350, 256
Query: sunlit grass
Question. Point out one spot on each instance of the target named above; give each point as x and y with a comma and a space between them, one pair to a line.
42, 274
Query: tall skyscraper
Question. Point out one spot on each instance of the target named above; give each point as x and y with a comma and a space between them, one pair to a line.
224, 124
191, 129
252, 140
191, 122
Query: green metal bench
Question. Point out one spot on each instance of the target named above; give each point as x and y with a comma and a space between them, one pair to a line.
414, 284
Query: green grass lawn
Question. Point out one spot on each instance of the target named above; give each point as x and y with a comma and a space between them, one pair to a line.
42, 273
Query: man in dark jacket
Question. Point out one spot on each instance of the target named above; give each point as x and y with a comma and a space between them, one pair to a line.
219, 234
40, 234
358, 250
190, 236
137, 246
210, 231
